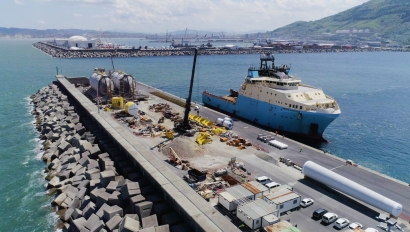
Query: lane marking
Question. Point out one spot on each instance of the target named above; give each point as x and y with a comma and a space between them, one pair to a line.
337, 167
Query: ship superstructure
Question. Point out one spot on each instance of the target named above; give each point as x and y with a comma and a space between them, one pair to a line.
274, 99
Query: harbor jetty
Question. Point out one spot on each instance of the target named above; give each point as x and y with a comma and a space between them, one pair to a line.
105, 181
60, 52
105, 175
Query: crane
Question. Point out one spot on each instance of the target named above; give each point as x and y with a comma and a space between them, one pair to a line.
182, 42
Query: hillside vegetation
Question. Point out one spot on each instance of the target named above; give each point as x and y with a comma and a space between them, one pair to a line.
386, 20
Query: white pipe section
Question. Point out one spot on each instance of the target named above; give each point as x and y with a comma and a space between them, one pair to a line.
336, 181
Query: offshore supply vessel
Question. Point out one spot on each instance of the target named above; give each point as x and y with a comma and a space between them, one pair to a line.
272, 98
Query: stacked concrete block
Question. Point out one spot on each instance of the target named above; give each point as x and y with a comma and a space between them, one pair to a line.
149, 221
89, 193
114, 223
143, 209
129, 225
164, 228
106, 177
129, 190
111, 211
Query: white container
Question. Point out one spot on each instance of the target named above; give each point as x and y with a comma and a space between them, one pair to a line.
351, 188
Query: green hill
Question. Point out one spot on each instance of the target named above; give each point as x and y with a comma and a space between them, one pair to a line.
380, 20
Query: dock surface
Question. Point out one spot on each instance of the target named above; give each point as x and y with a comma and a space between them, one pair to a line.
204, 217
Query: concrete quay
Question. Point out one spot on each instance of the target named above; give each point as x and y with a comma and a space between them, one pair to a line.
59, 52
103, 179
266, 162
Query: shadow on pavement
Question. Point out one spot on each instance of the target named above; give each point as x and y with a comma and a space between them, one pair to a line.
340, 197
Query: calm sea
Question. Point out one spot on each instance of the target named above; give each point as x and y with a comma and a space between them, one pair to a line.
373, 90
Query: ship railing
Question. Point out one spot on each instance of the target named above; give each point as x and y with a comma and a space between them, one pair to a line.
310, 86
216, 96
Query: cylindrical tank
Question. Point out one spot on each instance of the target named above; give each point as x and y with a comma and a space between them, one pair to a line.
99, 81
228, 119
128, 81
117, 102
131, 108
219, 121
336, 181
228, 124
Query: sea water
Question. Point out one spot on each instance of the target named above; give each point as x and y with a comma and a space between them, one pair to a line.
372, 90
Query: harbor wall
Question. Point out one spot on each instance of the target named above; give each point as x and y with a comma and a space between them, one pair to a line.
191, 207
60, 52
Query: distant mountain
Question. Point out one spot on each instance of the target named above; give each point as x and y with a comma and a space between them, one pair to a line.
385, 20
63, 33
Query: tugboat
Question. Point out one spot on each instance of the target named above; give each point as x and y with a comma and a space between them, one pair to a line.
273, 99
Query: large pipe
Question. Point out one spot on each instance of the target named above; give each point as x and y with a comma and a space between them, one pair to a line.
336, 181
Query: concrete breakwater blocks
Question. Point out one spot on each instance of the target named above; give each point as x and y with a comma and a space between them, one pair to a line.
90, 195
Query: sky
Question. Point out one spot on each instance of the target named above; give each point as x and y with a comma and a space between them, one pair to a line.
159, 16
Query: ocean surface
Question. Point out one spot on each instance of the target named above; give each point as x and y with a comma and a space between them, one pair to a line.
372, 89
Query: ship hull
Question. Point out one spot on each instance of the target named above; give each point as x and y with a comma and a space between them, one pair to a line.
271, 116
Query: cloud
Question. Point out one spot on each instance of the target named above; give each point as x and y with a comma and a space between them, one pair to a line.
76, 15
243, 15
18, 2
42, 21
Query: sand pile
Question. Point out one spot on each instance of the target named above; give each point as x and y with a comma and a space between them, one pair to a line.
186, 148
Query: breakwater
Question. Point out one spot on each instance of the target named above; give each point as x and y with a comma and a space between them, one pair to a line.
60, 52
101, 182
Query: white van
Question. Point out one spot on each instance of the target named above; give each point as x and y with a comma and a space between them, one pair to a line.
272, 185
263, 180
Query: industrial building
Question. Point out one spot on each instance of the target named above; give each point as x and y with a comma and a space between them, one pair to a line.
76, 42
234, 195
283, 200
256, 188
252, 213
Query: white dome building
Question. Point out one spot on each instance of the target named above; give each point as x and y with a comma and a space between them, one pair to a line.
78, 41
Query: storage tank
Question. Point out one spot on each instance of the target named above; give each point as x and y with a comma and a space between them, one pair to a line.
131, 108
105, 86
219, 121
228, 124
336, 181
128, 81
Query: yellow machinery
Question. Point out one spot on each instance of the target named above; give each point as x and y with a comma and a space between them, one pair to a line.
169, 134
117, 102
204, 138
200, 120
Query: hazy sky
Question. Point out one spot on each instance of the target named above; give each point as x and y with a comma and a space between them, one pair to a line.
157, 16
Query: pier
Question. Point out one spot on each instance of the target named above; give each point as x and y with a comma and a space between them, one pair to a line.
174, 202
60, 52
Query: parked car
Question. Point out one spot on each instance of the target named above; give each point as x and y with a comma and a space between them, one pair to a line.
272, 185
355, 225
328, 218
263, 179
341, 223
306, 202
371, 230
318, 213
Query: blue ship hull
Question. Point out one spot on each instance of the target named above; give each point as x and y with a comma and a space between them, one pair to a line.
300, 123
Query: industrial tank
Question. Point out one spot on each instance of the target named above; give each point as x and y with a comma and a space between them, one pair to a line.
131, 108
101, 82
129, 83
336, 181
